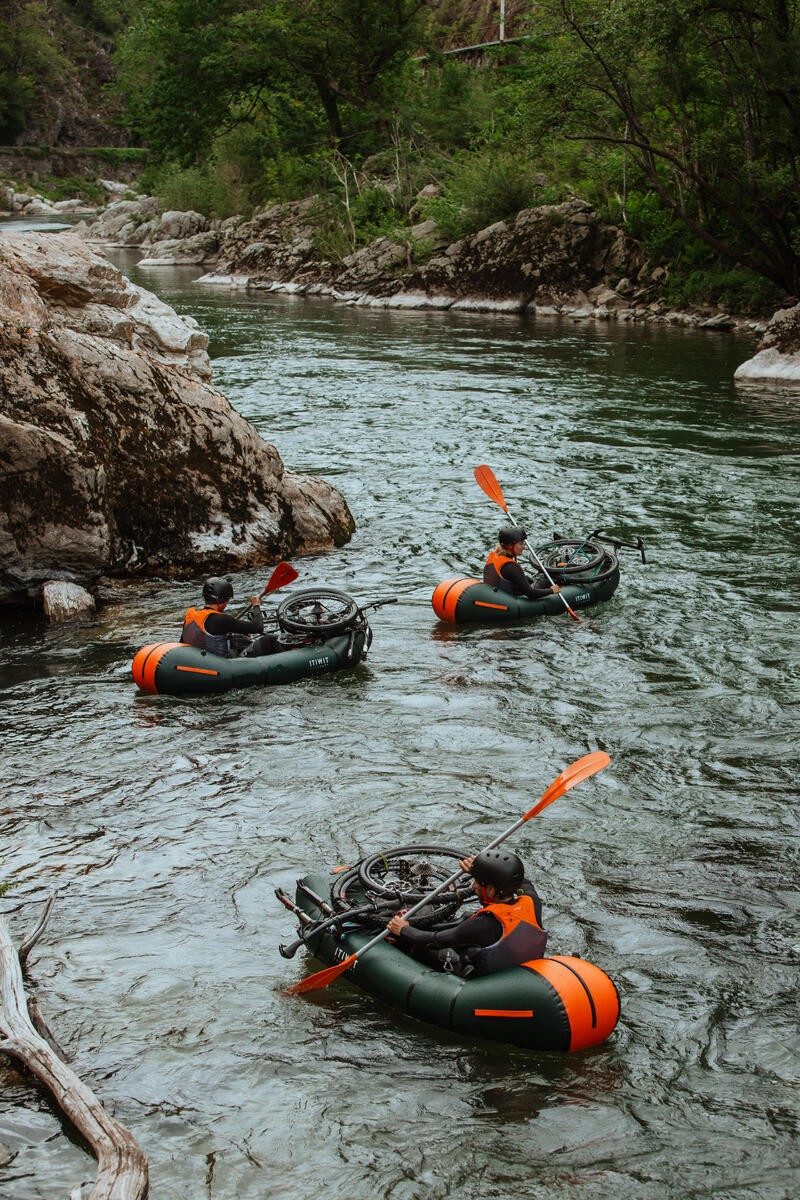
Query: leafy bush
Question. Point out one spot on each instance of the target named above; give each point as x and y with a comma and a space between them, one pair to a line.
374, 214
70, 187
201, 189
735, 289
482, 189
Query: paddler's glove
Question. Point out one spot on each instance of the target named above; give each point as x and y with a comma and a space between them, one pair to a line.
257, 617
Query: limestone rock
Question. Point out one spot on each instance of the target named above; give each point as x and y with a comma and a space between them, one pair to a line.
545, 254
276, 246
62, 601
117, 223
190, 251
778, 357
176, 225
116, 454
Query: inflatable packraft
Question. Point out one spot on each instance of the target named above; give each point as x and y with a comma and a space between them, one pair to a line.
174, 669
559, 1003
587, 573
323, 630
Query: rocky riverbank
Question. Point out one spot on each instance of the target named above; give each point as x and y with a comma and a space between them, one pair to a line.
555, 261
117, 455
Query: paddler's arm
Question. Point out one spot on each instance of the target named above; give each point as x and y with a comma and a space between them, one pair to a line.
481, 930
226, 623
515, 575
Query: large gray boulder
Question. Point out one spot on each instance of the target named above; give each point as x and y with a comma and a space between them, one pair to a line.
116, 453
547, 254
777, 359
277, 245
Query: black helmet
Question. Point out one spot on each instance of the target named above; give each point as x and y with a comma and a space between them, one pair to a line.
510, 534
500, 869
217, 591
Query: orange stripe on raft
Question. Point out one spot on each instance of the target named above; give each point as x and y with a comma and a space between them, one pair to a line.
483, 604
453, 595
439, 596
576, 980
140, 661
198, 670
155, 656
503, 1012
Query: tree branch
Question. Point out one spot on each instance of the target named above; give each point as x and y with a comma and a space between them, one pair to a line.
122, 1166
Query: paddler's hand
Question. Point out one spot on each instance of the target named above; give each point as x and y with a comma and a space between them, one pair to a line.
555, 588
397, 924
255, 601
466, 864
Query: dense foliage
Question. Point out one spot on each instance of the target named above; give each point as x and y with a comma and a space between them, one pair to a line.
697, 100
678, 118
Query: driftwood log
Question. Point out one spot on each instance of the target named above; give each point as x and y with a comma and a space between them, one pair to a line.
122, 1167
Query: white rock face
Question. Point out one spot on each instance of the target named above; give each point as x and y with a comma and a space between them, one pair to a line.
191, 251
770, 366
62, 601
778, 356
175, 225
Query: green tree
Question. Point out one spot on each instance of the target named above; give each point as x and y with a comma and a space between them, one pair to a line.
193, 68
702, 97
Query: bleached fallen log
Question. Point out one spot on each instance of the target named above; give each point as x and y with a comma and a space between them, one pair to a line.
122, 1166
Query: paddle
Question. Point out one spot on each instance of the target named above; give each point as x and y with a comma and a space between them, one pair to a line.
284, 573
486, 481
578, 771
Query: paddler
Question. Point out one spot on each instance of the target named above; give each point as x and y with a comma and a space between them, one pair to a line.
504, 572
209, 628
505, 932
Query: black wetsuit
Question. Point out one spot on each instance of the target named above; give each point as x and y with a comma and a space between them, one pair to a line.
225, 623
522, 585
480, 930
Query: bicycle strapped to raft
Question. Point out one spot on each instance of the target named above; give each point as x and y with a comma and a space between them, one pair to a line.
570, 561
369, 894
320, 630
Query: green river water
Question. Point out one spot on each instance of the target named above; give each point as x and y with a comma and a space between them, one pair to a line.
166, 824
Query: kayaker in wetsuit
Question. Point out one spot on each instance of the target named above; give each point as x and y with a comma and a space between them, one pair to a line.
504, 572
505, 932
209, 628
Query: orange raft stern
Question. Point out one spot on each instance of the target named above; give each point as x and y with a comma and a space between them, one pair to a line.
144, 665
446, 596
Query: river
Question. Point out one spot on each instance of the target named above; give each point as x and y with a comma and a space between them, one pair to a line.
165, 824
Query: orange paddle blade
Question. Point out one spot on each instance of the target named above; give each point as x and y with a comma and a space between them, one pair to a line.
574, 615
284, 573
315, 983
576, 773
486, 480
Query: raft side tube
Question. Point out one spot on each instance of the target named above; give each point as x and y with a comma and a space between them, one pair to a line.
145, 662
445, 598
590, 999
175, 669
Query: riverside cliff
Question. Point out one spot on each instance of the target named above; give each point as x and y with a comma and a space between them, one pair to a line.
117, 455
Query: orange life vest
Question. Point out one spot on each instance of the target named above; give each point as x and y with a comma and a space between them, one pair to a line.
521, 941
194, 633
491, 572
